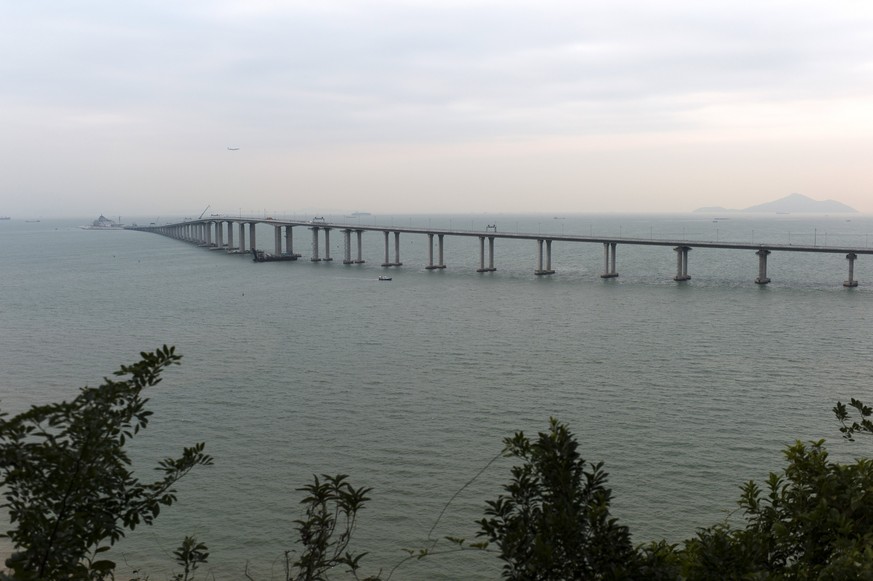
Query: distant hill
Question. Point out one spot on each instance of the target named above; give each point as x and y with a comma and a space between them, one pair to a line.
790, 204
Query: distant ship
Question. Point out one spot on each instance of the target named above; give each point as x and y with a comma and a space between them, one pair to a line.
358, 214
5, 218
104, 223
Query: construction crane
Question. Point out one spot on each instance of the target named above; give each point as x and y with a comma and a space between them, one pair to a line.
203, 212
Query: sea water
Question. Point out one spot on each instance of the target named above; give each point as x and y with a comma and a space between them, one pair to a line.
684, 390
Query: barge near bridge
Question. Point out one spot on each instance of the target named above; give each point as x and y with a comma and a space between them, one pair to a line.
210, 233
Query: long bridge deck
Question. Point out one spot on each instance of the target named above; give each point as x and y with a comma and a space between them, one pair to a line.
210, 232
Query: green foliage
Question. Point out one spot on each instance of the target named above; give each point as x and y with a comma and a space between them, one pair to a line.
70, 494
67, 481
553, 523
330, 518
189, 556
850, 428
814, 521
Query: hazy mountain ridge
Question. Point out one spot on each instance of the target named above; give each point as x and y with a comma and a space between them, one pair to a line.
792, 204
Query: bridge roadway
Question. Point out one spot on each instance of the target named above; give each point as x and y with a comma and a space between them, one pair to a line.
210, 232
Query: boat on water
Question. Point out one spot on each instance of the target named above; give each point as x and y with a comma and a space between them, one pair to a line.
104, 223
383, 277
261, 256
5, 218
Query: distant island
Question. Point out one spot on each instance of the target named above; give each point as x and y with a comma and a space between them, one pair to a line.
790, 204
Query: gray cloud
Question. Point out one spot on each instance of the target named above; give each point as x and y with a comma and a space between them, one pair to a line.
290, 76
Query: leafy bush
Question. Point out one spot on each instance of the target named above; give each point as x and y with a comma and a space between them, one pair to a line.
67, 481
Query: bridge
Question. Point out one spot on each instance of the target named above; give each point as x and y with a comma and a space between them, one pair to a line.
210, 233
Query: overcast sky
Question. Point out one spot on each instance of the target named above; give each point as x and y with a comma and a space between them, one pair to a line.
128, 108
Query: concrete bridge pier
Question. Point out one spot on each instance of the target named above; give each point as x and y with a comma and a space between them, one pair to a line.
681, 263
277, 240
219, 234
440, 237
315, 257
242, 237
851, 283
347, 247
482, 267
360, 259
762, 266
289, 242
396, 250
609, 260
327, 257
230, 245
253, 243
548, 269
430, 265
387, 261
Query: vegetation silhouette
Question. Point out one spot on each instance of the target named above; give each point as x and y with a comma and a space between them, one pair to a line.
70, 494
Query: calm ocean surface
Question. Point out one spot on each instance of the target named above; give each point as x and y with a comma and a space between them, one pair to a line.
684, 390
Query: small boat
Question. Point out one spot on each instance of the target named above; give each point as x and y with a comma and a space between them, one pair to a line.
383, 277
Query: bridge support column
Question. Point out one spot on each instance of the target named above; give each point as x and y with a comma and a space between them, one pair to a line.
289, 241
387, 260
481, 255
253, 243
548, 269
277, 236
430, 265
762, 266
397, 249
609, 260
219, 234
327, 257
491, 254
347, 247
242, 237
315, 257
207, 228
681, 263
441, 264
360, 259
851, 283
